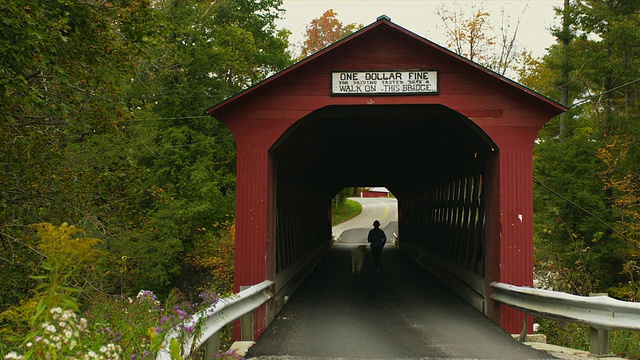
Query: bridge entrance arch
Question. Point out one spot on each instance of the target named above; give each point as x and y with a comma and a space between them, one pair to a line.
452, 140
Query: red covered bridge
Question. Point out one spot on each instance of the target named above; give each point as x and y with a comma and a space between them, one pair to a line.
385, 107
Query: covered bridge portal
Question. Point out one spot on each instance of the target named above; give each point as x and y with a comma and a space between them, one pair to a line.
385, 107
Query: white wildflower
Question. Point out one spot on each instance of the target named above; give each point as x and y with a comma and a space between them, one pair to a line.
13, 355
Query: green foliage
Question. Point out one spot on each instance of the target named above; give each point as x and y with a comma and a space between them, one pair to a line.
64, 65
65, 258
211, 261
103, 127
110, 327
344, 211
590, 156
623, 343
571, 335
590, 161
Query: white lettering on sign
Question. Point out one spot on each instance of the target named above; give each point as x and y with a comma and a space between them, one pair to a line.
384, 82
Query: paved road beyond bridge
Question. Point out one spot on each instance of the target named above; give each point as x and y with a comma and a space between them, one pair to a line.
404, 313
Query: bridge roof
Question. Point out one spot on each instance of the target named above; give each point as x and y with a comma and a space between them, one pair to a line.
384, 21
326, 140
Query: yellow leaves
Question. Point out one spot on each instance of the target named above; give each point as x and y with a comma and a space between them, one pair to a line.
152, 333
62, 248
468, 33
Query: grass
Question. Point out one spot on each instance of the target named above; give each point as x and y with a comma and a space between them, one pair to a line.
622, 343
344, 211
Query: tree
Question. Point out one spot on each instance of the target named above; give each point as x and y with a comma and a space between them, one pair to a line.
467, 35
471, 34
62, 70
209, 51
324, 31
590, 158
103, 128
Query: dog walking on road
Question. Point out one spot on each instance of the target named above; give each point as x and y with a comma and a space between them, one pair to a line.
357, 259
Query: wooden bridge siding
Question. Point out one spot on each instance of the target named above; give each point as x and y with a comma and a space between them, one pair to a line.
447, 220
302, 220
266, 113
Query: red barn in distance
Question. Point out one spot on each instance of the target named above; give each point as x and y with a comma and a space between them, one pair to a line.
374, 192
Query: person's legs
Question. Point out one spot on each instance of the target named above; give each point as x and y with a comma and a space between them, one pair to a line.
377, 252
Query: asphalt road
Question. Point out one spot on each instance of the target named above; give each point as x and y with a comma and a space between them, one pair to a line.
404, 313
355, 230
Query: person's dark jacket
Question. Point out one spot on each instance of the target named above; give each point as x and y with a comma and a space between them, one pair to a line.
377, 238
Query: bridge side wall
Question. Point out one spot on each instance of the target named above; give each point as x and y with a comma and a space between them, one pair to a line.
443, 229
510, 201
303, 233
254, 229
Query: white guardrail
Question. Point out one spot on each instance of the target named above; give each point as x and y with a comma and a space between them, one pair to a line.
214, 318
600, 312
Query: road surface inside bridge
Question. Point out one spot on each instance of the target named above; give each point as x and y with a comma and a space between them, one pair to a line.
404, 313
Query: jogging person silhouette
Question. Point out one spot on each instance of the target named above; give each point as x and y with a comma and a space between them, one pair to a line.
377, 238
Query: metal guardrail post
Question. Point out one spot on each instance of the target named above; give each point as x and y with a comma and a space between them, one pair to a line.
599, 344
599, 341
599, 311
212, 346
246, 323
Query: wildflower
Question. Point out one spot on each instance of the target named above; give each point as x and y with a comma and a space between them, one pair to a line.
13, 355
189, 329
182, 313
56, 310
146, 293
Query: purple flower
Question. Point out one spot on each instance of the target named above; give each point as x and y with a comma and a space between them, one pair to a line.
189, 329
182, 313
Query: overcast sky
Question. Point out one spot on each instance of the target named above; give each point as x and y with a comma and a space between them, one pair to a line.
419, 16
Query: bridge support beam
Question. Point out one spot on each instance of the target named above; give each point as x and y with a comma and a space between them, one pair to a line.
255, 245
509, 233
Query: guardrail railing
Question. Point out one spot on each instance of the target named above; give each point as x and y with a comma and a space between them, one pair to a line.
216, 317
600, 312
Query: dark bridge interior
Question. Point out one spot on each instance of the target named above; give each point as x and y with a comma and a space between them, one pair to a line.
402, 147
432, 158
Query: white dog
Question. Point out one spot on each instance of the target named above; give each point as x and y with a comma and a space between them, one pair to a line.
357, 259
